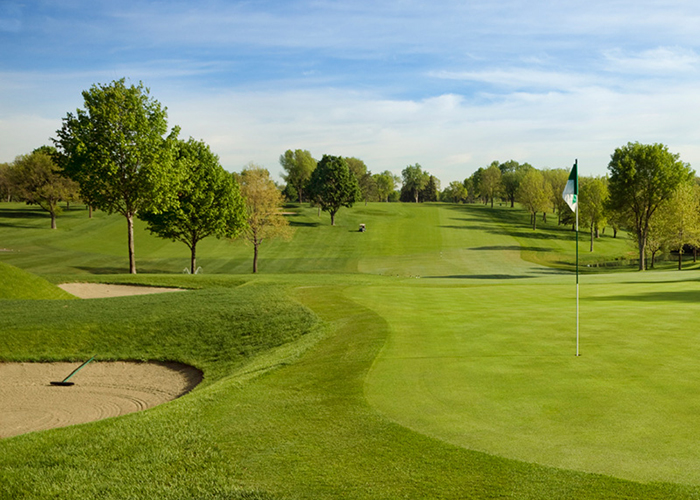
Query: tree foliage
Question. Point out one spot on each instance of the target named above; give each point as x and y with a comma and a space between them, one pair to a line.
642, 176
263, 202
37, 179
490, 185
512, 174
386, 184
208, 201
678, 220
593, 198
414, 180
299, 165
365, 179
116, 149
333, 186
533, 194
6, 184
455, 192
556, 179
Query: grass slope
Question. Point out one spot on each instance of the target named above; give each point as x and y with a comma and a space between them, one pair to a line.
18, 284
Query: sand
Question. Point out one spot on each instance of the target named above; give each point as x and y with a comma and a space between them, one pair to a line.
102, 290
28, 402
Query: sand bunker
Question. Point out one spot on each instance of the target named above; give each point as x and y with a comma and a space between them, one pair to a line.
102, 389
102, 290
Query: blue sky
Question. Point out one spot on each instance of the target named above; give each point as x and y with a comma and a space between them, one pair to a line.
450, 85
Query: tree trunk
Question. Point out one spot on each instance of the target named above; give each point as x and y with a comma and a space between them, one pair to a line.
544, 217
614, 232
332, 218
193, 258
653, 258
255, 257
642, 248
89, 211
130, 229
492, 202
695, 254
680, 259
53, 219
592, 232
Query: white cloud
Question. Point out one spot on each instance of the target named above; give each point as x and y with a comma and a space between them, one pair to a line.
663, 61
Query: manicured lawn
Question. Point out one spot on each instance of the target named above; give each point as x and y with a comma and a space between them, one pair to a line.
422, 359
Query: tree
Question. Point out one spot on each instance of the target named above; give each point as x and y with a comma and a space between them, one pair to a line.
7, 189
299, 165
117, 151
556, 179
365, 179
333, 186
679, 219
593, 197
414, 180
490, 184
455, 192
386, 184
533, 195
38, 180
263, 202
208, 201
431, 190
641, 178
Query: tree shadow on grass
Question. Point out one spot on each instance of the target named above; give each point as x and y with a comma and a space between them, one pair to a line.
512, 248
689, 296
145, 269
295, 223
481, 276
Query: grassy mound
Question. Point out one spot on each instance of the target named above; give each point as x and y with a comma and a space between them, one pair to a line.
18, 284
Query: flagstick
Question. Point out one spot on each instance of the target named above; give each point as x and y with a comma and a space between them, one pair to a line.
577, 293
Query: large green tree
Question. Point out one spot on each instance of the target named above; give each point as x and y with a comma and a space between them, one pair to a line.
298, 165
414, 180
490, 185
333, 186
263, 203
37, 179
642, 176
512, 173
386, 184
117, 149
208, 201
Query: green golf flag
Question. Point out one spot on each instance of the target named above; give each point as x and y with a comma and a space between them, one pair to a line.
570, 193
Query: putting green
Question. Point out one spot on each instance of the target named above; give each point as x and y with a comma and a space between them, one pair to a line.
493, 368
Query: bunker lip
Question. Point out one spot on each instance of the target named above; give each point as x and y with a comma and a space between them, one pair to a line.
28, 401
105, 290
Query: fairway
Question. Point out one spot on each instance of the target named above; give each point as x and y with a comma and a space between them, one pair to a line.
431, 357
